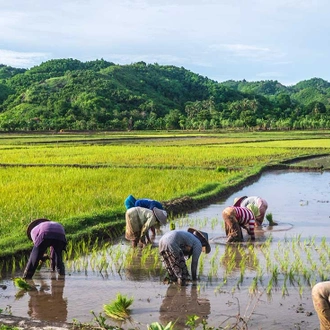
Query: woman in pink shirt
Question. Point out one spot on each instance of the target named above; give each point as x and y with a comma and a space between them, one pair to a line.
44, 234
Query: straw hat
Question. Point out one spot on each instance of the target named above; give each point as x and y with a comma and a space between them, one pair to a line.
33, 224
238, 200
161, 215
203, 237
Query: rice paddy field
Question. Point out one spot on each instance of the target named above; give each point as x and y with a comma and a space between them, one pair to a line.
81, 180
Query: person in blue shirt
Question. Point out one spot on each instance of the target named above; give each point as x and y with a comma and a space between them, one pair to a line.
147, 203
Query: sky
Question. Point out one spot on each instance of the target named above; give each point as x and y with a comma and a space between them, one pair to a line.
283, 40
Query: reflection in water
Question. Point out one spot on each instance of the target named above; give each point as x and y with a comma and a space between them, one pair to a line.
46, 302
179, 303
237, 256
141, 266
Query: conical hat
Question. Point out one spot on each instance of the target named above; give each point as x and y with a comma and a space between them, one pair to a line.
33, 224
161, 215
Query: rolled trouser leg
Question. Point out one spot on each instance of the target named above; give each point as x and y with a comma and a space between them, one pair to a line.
232, 227
321, 302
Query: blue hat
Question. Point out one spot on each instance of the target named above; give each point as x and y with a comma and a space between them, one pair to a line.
130, 202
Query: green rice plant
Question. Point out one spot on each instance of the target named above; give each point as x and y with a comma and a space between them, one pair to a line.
172, 225
201, 263
269, 218
191, 321
275, 274
254, 209
253, 288
119, 308
284, 286
159, 326
269, 287
214, 223
22, 284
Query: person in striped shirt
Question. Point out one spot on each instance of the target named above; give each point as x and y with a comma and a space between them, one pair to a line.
236, 218
259, 202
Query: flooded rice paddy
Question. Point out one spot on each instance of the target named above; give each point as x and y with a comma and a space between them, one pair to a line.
268, 283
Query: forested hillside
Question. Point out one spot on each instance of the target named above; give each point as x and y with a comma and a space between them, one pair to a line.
100, 95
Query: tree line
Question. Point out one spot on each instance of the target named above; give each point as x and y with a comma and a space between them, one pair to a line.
101, 95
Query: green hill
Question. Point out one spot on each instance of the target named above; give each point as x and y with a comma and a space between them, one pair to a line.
100, 95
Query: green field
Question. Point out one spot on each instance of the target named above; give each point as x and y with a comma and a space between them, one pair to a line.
81, 180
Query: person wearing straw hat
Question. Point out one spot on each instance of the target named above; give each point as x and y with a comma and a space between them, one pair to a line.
259, 202
45, 234
138, 222
236, 218
177, 246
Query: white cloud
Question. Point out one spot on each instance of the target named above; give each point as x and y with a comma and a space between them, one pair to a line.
250, 52
21, 59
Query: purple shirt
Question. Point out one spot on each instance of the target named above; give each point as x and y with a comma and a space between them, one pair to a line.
47, 230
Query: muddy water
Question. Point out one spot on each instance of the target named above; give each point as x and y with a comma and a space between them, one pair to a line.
298, 201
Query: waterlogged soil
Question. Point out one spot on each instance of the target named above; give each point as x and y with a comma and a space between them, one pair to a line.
298, 201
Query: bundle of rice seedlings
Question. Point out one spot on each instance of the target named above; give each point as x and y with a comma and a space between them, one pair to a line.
254, 209
22, 284
269, 218
118, 309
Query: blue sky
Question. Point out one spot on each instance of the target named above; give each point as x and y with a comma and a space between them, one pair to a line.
284, 40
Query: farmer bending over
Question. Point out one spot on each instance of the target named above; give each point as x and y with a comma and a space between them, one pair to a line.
138, 222
176, 246
148, 203
236, 218
44, 234
259, 202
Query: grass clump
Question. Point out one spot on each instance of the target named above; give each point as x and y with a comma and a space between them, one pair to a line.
119, 308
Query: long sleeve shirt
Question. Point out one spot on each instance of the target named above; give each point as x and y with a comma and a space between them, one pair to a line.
47, 230
140, 220
176, 240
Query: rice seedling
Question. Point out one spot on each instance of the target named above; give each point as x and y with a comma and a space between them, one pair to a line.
119, 308
269, 218
22, 284
253, 288
201, 263
172, 225
159, 326
269, 287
